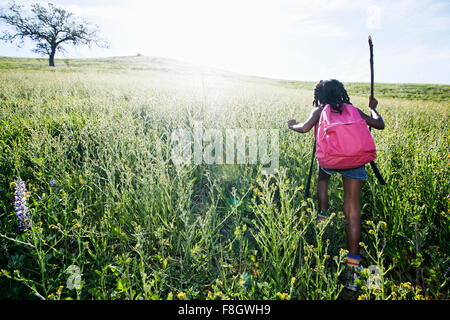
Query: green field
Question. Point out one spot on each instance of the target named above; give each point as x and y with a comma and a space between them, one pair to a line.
91, 140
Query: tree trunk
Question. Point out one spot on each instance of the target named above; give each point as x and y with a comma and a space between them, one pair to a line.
51, 58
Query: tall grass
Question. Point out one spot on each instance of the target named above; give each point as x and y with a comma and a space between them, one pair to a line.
93, 147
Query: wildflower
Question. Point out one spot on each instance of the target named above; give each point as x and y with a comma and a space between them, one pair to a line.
371, 231
20, 204
292, 281
58, 292
406, 285
52, 182
282, 296
181, 295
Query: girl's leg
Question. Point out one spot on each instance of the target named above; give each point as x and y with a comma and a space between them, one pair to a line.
352, 210
322, 190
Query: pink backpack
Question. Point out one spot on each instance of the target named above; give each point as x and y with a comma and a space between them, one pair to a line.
343, 140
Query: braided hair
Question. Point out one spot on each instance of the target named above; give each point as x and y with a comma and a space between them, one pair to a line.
331, 92
318, 97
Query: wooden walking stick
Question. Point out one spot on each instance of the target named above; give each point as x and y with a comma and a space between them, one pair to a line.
372, 163
371, 66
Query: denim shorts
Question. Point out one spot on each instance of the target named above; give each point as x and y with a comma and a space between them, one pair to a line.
356, 173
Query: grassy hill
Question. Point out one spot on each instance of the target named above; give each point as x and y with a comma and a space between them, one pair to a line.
158, 64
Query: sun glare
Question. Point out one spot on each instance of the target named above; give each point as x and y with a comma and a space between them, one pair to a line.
232, 35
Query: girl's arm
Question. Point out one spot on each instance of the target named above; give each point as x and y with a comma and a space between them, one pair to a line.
375, 120
308, 124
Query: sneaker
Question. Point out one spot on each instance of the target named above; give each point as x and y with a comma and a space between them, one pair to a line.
322, 216
353, 277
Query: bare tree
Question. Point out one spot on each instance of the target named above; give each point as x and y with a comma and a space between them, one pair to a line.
50, 27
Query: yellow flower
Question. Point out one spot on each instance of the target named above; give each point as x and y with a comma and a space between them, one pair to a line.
58, 292
282, 296
371, 231
181, 295
406, 285
292, 281
50, 295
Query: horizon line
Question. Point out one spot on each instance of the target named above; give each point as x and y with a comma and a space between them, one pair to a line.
224, 70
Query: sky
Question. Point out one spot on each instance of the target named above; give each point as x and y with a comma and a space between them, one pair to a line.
285, 39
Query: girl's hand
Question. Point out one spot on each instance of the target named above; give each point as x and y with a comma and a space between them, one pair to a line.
292, 123
373, 103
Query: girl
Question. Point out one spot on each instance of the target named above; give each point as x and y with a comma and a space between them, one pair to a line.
332, 92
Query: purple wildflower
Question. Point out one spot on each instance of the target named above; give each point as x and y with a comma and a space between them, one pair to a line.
20, 205
52, 182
